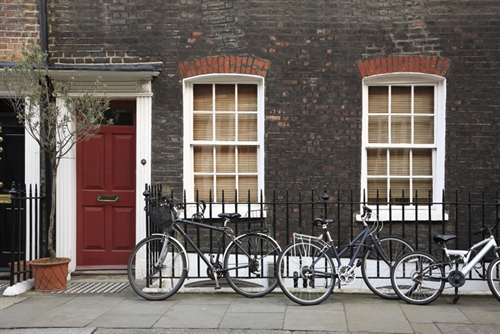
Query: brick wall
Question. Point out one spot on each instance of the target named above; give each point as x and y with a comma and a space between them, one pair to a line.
317, 52
19, 24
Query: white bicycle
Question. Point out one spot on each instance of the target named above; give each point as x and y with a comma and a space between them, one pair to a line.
419, 278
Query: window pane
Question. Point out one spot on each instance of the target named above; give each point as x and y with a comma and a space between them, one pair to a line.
378, 129
400, 100
378, 100
400, 188
422, 162
424, 100
202, 127
203, 185
225, 127
203, 159
202, 97
225, 98
421, 189
424, 130
377, 189
377, 162
225, 159
247, 127
401, 129
247, 97
226, 184
400, 162
245, 184
247, 159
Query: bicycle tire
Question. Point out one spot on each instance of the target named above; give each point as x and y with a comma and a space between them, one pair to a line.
253, 257
292, 268
418, 278
149, 281
493, 278
377, 272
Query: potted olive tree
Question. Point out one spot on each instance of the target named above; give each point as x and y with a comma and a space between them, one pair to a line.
57, 120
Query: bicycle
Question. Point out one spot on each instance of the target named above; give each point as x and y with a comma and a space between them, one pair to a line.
419, 278
158, 265
307, 274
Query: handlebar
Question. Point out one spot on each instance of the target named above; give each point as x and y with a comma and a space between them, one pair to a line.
317, 222
488, 229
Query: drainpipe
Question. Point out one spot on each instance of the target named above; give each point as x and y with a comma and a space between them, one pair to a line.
44, 40
44, 46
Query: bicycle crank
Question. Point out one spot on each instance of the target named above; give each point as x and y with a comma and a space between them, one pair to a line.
212, 274
346, 274
456, 278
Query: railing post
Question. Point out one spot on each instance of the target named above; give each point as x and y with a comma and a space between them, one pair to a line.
13, 201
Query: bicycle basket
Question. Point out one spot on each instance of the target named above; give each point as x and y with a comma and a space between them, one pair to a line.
159, 212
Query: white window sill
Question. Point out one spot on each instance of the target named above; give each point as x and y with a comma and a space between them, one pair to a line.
409, 214
245, 210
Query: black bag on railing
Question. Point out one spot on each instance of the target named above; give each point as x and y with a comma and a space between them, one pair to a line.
159, 212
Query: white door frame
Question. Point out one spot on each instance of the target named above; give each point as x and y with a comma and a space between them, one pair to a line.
125, 85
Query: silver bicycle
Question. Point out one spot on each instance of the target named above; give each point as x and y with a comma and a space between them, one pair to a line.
419, 278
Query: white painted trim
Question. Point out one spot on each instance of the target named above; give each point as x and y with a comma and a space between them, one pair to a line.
67, 189
143, 152
188, 139
439, 134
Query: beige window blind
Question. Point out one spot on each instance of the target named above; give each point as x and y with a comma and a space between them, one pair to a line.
400, 131
225, 134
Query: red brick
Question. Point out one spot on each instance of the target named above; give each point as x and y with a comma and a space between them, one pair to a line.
361, 69
182, 70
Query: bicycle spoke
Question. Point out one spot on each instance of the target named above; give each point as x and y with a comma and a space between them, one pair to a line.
417, 278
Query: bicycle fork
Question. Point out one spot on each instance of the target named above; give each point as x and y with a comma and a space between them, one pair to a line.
163, 254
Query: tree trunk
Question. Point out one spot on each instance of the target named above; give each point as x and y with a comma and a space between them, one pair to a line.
52, 217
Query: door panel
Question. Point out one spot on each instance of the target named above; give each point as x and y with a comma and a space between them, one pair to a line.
106, 196
93, 156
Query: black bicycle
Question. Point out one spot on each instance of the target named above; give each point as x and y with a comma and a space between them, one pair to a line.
159, 264
307, 273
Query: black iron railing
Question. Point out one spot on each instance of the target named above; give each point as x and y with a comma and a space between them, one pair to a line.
461, 213
25, 224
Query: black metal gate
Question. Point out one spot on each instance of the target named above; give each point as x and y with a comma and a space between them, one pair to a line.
27, 229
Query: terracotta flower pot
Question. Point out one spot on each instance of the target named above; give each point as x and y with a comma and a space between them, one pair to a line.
50, 276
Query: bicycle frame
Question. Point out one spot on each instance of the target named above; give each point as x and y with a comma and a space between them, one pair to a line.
211, 263
361, 237
464, 255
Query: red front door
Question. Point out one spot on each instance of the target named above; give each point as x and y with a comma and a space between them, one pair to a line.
106, 192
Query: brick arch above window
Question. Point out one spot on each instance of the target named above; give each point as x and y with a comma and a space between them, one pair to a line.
224, 65
416, 64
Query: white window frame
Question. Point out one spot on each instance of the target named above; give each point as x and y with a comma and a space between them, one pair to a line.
438, 158
189, 142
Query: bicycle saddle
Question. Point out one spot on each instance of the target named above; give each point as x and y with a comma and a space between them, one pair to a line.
229, 215
443, 238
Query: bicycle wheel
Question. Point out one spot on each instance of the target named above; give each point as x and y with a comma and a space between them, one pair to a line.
376, 267
418, 278
303, 275
249, 261
494, 277
149, 276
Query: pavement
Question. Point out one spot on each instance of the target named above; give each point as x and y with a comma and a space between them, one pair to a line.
223, 312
